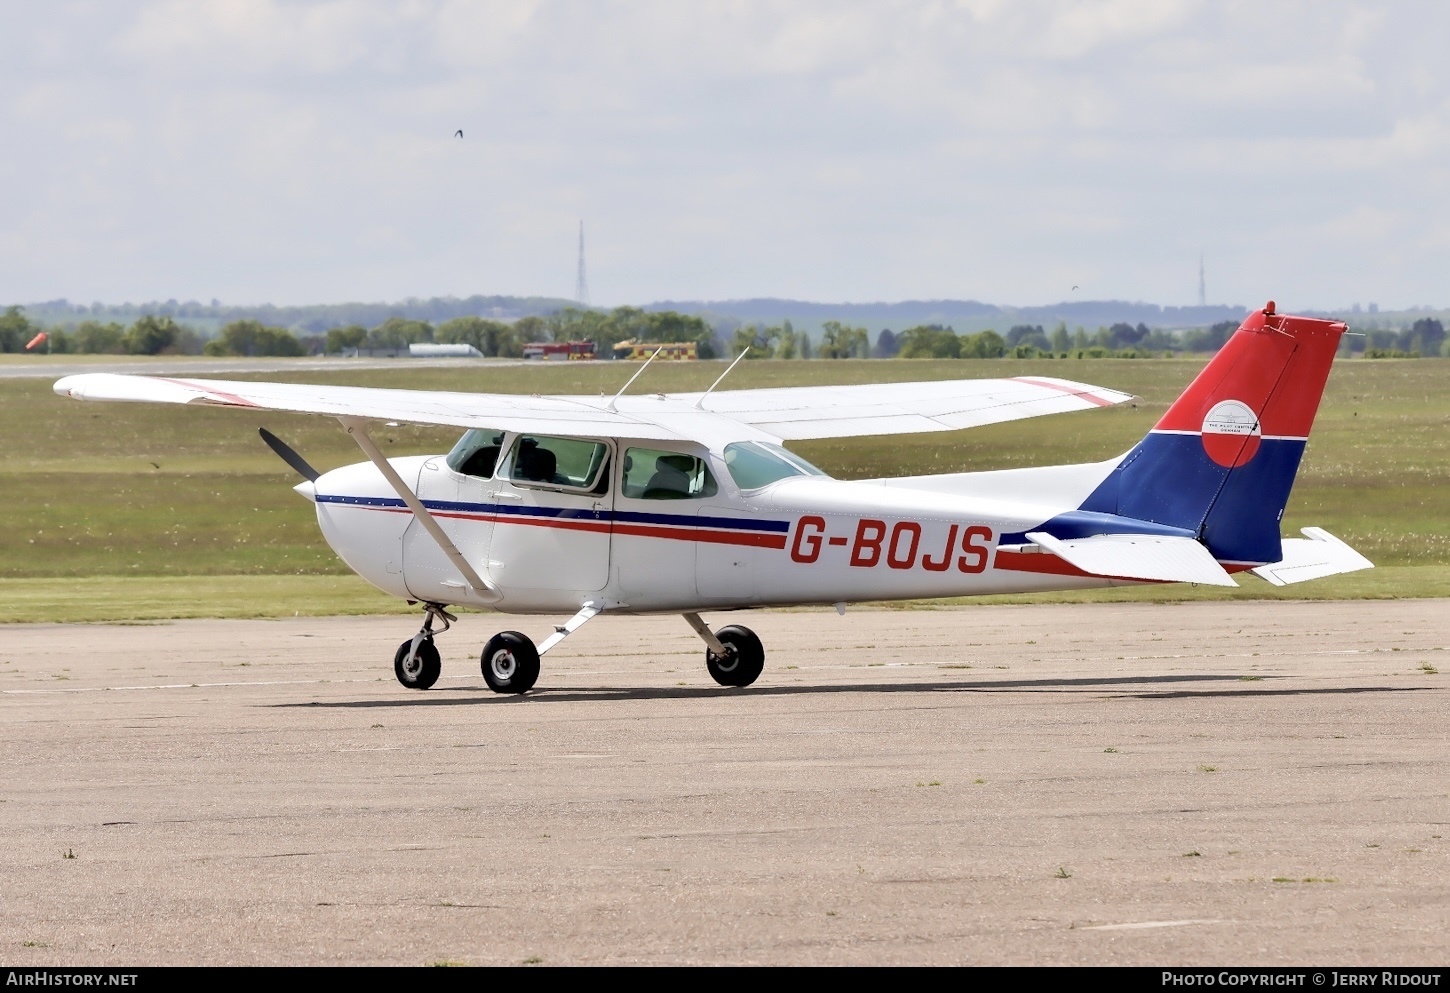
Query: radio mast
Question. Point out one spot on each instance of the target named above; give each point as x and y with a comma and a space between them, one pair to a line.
1202, 289
581, 283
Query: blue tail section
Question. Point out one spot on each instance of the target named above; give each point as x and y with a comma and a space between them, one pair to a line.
1169, 480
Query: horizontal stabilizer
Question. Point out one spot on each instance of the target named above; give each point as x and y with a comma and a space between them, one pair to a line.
1160, 558
1319, 555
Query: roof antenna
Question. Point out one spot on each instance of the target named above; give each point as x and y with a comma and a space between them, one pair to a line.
700, 403
610, 405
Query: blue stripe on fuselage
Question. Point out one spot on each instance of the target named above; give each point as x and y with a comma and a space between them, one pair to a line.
563, 513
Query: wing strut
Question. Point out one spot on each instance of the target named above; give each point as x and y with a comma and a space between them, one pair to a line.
356, 428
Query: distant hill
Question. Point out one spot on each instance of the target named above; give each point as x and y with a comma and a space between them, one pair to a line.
305, 319
964, 316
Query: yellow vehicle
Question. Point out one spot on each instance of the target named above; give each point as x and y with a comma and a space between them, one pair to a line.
678, 350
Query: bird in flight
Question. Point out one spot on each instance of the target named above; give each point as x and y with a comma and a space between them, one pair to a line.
1074, 285
458, 133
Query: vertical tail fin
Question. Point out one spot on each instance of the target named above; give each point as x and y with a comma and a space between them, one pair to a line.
1223, 458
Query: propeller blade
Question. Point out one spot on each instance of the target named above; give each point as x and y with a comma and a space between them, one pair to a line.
286, 454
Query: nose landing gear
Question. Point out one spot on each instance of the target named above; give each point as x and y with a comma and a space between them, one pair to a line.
416, 662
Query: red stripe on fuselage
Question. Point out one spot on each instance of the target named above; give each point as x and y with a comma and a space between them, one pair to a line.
708, 535
702, 534
1046, 563
562, 523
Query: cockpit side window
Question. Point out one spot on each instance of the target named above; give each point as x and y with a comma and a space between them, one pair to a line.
654, 475
570, 463
754, 464
476, 453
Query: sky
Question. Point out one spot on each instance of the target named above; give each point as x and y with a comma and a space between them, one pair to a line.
258, 151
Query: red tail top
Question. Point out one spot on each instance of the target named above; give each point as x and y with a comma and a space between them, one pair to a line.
1275, 366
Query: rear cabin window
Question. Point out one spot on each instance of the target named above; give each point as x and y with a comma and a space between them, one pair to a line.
754, 464
654, 475
537, 460
476, 453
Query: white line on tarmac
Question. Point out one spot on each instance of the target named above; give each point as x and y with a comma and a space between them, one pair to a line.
1142, 925
188, 686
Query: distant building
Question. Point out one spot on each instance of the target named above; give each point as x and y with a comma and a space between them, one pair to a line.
422, 350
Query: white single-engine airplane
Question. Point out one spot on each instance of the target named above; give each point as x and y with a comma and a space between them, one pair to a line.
689, 503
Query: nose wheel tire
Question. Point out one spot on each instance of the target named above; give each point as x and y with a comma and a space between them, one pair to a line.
422, 672
743, 660
510, 663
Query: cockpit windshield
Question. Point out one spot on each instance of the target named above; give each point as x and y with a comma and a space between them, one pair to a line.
476, 453
754, 464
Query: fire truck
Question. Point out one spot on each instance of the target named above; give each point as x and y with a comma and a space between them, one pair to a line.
549, 350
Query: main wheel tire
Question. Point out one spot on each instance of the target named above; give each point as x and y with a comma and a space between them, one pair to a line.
426, 666
743, 660
510, 663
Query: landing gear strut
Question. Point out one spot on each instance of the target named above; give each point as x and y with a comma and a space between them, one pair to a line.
734, 655
416, 662
510, 660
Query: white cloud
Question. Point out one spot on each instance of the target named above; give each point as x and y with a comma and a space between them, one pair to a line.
256, 37
305, 151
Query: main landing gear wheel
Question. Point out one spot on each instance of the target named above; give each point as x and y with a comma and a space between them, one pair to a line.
743, 660
510, 663
422, 670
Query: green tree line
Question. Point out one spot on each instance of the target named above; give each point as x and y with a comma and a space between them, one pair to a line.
149, 335
162, 335
505, 339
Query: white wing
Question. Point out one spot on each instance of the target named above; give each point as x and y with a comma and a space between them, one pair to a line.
789, 413
504, 411
905, 408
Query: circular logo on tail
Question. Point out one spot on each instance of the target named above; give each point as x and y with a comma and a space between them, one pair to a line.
1231, 433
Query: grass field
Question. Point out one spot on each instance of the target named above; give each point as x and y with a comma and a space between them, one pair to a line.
115, 510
